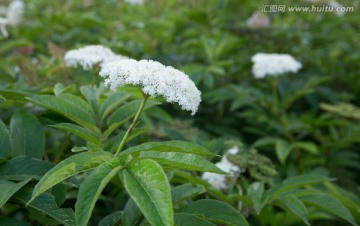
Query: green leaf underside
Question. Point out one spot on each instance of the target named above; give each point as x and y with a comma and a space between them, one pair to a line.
27, 135
184, 219
8, 188
296, 206
181, 160
185, 191
111, 219
82, 132
168, 146
329, 204
46, 204
22, 168
5, 147
147, 184
214, 211
92, 187
69, 167
70, 106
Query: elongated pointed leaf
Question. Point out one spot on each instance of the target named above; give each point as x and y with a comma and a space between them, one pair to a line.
255, 193
330, 204
215, 211
168, 146
185, 191
181, 161
46, 204
282, 149
113, 101
147, 184
184, 219
124, 114
5, 147
27, 135
92, 96
69, 167
132, 213
22, 168
70, 106
82, 132
8, 188
92, 187
296, 206
111, 219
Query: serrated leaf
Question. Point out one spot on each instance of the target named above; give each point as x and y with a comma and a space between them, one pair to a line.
8, 188
168, 146
5, 147
46, 204
22, 168
27, 135
185, 191
69, 167
214, 211
92, 187
147, 184
125, 113
70, 106
184, 219
113, 101
296, 206
180, 160
111, 219
82, 132
330, 204
282, 149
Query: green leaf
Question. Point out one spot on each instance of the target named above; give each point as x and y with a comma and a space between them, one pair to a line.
46, 204
111, 219
296, 206
113, 101
69, 167
92, 96
70, 106
5, 147
255, 193
185, 191
125, 113
92, 187
307, 146
184, 219
147, 184
5, 221
214, 211
8, 188
27, 135
58, 89
282, 149
330, 204
132, 213
180, 160
17, 95
22, 168
168, 146
82, 132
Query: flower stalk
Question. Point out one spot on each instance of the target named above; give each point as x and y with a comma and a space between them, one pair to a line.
132, 125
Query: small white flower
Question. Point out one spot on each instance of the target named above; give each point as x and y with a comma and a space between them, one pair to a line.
88, 56
273, 64
134, 2
219, 181
258, 20
112, 59
15, 12
155, 79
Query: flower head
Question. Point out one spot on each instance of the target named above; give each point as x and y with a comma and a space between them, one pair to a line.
15, 12
273, 64
258, 20
134, 2
88, 56
155, 79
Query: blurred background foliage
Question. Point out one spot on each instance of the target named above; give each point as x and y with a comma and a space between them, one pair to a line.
304, 123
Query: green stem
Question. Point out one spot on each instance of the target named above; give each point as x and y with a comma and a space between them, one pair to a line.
132, 125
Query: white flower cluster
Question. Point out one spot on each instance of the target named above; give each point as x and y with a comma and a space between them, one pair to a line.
14, 16
134, 2
88, 56
219, 181
155, 79
273, 64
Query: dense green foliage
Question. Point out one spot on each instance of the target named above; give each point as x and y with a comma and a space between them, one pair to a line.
297, 134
